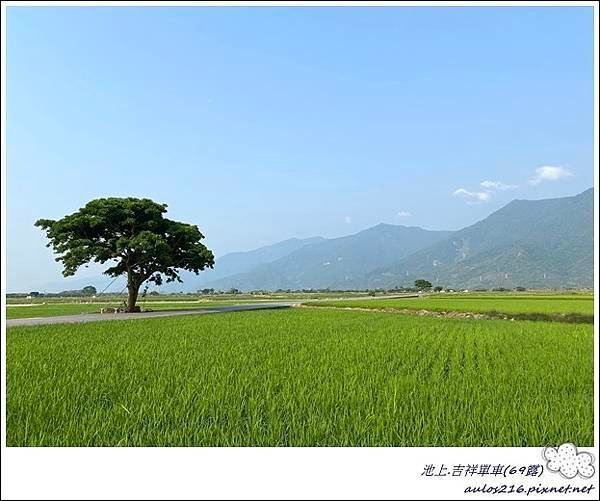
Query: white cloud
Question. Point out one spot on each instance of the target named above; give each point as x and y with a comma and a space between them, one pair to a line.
473, 197
497, 185
549, 173
404, 213
348, 219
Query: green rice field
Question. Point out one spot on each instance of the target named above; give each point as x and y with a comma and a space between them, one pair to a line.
582, 305
300, 377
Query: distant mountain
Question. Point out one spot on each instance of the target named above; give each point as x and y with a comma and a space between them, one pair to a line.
336, 262
240, 262
541, 243
229, 264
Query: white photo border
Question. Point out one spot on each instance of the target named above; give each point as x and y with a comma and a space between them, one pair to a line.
267, 473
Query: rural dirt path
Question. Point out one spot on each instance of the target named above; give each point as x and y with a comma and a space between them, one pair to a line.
95, 317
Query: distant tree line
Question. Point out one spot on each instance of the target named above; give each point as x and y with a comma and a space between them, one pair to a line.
421, 285
88, 290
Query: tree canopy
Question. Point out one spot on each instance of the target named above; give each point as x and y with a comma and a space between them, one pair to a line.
422, 284
134, 236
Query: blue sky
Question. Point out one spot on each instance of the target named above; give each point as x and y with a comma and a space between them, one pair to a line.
261, 124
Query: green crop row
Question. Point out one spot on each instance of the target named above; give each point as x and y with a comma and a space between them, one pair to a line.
506, 305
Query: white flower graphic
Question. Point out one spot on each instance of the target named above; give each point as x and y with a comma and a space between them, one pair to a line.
568, 462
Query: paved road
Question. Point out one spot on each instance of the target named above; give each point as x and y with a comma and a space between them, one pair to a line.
94, 317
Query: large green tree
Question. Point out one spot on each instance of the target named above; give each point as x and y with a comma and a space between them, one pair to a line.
134, 236
422, 284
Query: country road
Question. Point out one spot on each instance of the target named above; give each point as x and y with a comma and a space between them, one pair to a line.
95, 317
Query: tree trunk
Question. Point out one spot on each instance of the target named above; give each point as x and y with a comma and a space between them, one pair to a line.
132, 294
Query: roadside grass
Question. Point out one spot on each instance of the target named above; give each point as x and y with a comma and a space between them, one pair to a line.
300, 377
51, 310
59, 309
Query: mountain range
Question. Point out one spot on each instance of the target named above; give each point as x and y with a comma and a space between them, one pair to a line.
335, 263
541, 243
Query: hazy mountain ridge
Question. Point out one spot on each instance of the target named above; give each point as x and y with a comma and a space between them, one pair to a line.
240, 262
530, 243
540, 243
335, 262
229, 264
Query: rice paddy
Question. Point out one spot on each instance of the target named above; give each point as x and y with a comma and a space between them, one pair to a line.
577, 307
300, 377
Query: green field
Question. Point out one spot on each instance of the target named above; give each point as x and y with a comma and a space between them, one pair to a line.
191, 297
300, 377
57, 309
576, 305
